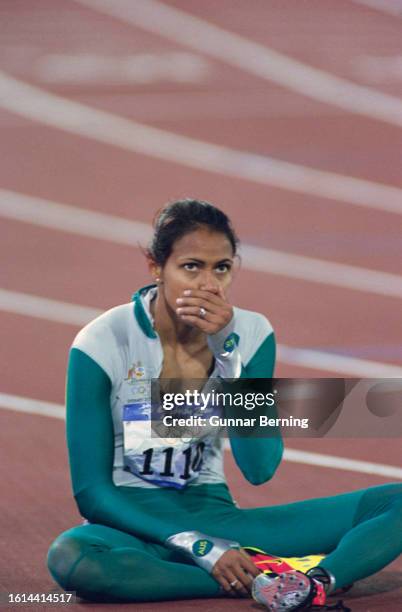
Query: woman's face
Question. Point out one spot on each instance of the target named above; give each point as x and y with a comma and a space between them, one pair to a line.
201, 259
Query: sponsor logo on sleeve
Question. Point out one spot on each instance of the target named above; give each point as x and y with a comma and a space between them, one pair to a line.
202, 547
230, 343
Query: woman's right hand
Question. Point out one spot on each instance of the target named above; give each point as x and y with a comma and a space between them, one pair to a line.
235, 572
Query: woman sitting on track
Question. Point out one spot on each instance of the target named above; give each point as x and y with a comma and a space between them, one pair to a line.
161, 523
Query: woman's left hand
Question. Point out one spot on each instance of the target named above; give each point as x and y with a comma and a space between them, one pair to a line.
191, 306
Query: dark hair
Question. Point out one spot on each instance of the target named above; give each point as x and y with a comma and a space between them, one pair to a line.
182, 217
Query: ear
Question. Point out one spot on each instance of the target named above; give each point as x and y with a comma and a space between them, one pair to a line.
154, 269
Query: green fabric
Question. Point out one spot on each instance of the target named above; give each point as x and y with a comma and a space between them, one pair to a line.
121, 555
374, 540
140, 313
258, 457
90, 442
359, 532
106, 565
262, 364
91, 450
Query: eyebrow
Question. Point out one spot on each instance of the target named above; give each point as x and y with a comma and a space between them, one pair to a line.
202, 261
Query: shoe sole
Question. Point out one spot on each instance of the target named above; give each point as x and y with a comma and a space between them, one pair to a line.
282, 593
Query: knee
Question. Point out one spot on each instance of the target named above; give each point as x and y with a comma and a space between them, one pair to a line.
63, 555
77, 564
394, 497
391, 504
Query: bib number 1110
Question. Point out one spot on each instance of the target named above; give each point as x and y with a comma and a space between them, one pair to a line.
191, 463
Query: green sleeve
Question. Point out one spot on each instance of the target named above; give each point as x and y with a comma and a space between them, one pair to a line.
259, 457
90, 439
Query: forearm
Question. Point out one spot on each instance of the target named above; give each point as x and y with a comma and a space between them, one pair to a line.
202, 549
114, 507
259, 454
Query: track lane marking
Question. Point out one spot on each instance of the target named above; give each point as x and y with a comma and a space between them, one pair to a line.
342, 463
71, 314
389, 7
62, 217
337, 364
27, 405
254, 58
52, 110
26, 304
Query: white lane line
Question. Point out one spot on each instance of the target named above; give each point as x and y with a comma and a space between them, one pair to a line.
342, 463
72, 314
31, 406
252, 57
72, 219
317, 271
26, 304
39, 105
390, 7
41, 408
330, 362
66, 218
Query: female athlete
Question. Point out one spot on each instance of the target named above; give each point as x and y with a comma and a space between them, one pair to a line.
160, 521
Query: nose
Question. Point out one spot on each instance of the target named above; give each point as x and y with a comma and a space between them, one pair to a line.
207, 280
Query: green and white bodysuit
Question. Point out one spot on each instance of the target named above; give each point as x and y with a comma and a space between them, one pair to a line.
135, 496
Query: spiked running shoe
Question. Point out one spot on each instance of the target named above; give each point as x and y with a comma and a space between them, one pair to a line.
291, 591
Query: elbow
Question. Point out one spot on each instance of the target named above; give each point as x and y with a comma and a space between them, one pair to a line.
259, 477
265, 471
88, 500
84, 506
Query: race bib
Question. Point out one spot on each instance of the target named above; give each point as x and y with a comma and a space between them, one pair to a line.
166, 462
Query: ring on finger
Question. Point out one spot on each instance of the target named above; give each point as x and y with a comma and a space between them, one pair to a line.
202, 312
233, 583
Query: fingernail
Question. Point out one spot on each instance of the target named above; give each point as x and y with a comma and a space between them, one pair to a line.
179, 310
179, 300
187, 292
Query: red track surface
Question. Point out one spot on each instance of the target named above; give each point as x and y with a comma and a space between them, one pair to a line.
232, 108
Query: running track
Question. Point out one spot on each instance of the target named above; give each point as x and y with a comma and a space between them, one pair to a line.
288, 115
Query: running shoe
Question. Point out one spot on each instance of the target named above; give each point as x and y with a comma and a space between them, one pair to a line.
291, 590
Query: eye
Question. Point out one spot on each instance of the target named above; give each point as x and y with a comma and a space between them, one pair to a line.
222, 268
190, 267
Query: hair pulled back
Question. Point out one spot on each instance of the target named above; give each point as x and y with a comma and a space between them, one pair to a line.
178, 218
